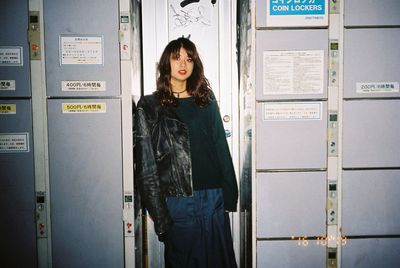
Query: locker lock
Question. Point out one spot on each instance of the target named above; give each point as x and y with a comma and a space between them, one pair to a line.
129, 227
334, 6
125, 35
226, 118
41, 228
128, 213
34, 35
333, 133
332, 204
331, 260
41, 214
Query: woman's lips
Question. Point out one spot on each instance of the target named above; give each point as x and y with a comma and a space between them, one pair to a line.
182, 72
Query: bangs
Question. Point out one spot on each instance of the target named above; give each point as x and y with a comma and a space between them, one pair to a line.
190, 49
175, 49
182, 43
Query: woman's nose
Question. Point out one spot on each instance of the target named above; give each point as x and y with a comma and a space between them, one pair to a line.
182, 62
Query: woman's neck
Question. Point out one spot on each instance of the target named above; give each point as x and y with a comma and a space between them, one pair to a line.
178, 86
178, 89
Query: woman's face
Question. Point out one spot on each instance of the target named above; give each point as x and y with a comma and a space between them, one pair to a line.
181, 66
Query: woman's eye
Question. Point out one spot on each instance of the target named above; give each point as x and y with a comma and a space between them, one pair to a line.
189, 59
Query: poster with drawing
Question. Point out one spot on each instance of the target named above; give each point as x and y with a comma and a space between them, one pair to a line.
198, 20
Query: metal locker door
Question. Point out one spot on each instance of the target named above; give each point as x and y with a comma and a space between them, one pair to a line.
86, 182
371, 253
291, 142
371, 65
289, 254
82, 49
371, 13
14, 49
371, 133
17, 193
305, 48
291, 204
370, 202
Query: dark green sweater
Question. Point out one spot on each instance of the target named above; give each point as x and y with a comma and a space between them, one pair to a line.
211, 161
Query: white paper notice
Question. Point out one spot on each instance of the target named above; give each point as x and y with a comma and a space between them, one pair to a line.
14, 142
11, 56
292, 111
293, 72
81, 50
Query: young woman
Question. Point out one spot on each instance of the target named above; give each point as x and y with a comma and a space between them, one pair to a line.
183, 166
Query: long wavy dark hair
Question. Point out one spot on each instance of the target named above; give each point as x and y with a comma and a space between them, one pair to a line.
197, 84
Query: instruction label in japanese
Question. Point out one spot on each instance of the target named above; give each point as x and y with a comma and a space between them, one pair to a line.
11, 56
293, 72
14, 142
7, 84
87, 50
8, 108
296, 13
83, 85
377, 87
98, 107
292, 111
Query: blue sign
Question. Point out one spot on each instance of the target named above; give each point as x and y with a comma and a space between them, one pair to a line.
297, 7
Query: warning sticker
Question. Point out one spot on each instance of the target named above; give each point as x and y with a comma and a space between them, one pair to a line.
99, 107
14, 142
11, 56
292, 111
7, 84
377, 87
83, 85
86, 50
8, 108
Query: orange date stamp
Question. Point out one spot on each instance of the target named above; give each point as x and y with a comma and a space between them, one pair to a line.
320, 240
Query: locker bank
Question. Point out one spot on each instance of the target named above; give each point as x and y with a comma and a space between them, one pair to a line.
309, 97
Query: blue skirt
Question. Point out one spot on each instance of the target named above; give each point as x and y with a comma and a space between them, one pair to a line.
201, 235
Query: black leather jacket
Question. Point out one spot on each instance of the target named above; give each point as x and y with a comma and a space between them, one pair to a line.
163, 165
